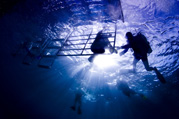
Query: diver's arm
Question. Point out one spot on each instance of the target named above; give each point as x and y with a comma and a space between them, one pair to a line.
125, 47
124, 51
112, 49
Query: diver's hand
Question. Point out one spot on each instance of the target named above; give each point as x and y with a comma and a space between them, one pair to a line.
113, 50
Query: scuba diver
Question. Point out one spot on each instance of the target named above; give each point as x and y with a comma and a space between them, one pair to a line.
78, 100
123, 86
141, 47
100, 43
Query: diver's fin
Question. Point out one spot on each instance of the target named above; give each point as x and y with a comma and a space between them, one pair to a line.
159, 76
79, 110
91, 58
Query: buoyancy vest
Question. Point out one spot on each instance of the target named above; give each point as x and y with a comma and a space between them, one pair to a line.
141, 45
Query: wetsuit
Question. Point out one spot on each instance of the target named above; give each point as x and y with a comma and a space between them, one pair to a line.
98, 46
140, 49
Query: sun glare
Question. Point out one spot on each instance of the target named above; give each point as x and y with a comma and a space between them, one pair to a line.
105, 61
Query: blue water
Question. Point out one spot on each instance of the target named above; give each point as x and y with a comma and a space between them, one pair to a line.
31, 92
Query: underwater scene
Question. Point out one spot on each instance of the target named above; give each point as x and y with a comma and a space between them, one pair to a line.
54, 66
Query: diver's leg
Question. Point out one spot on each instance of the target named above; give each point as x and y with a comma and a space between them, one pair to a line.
79, 105
159, 75
91, 58
148, 68
134, 64
75, 103
132, 92
146, 64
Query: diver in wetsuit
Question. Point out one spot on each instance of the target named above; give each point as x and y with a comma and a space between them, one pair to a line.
124, 88
140, 50
140, 47
100, 43
78, 100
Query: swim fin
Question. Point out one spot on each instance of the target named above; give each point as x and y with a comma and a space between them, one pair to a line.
159, 76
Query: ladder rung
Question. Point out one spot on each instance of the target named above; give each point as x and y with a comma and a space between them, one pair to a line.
76, 44
79, 44
75, 55
74, 49
91, 34
80, 35
55, 47
57, 39
76, 39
